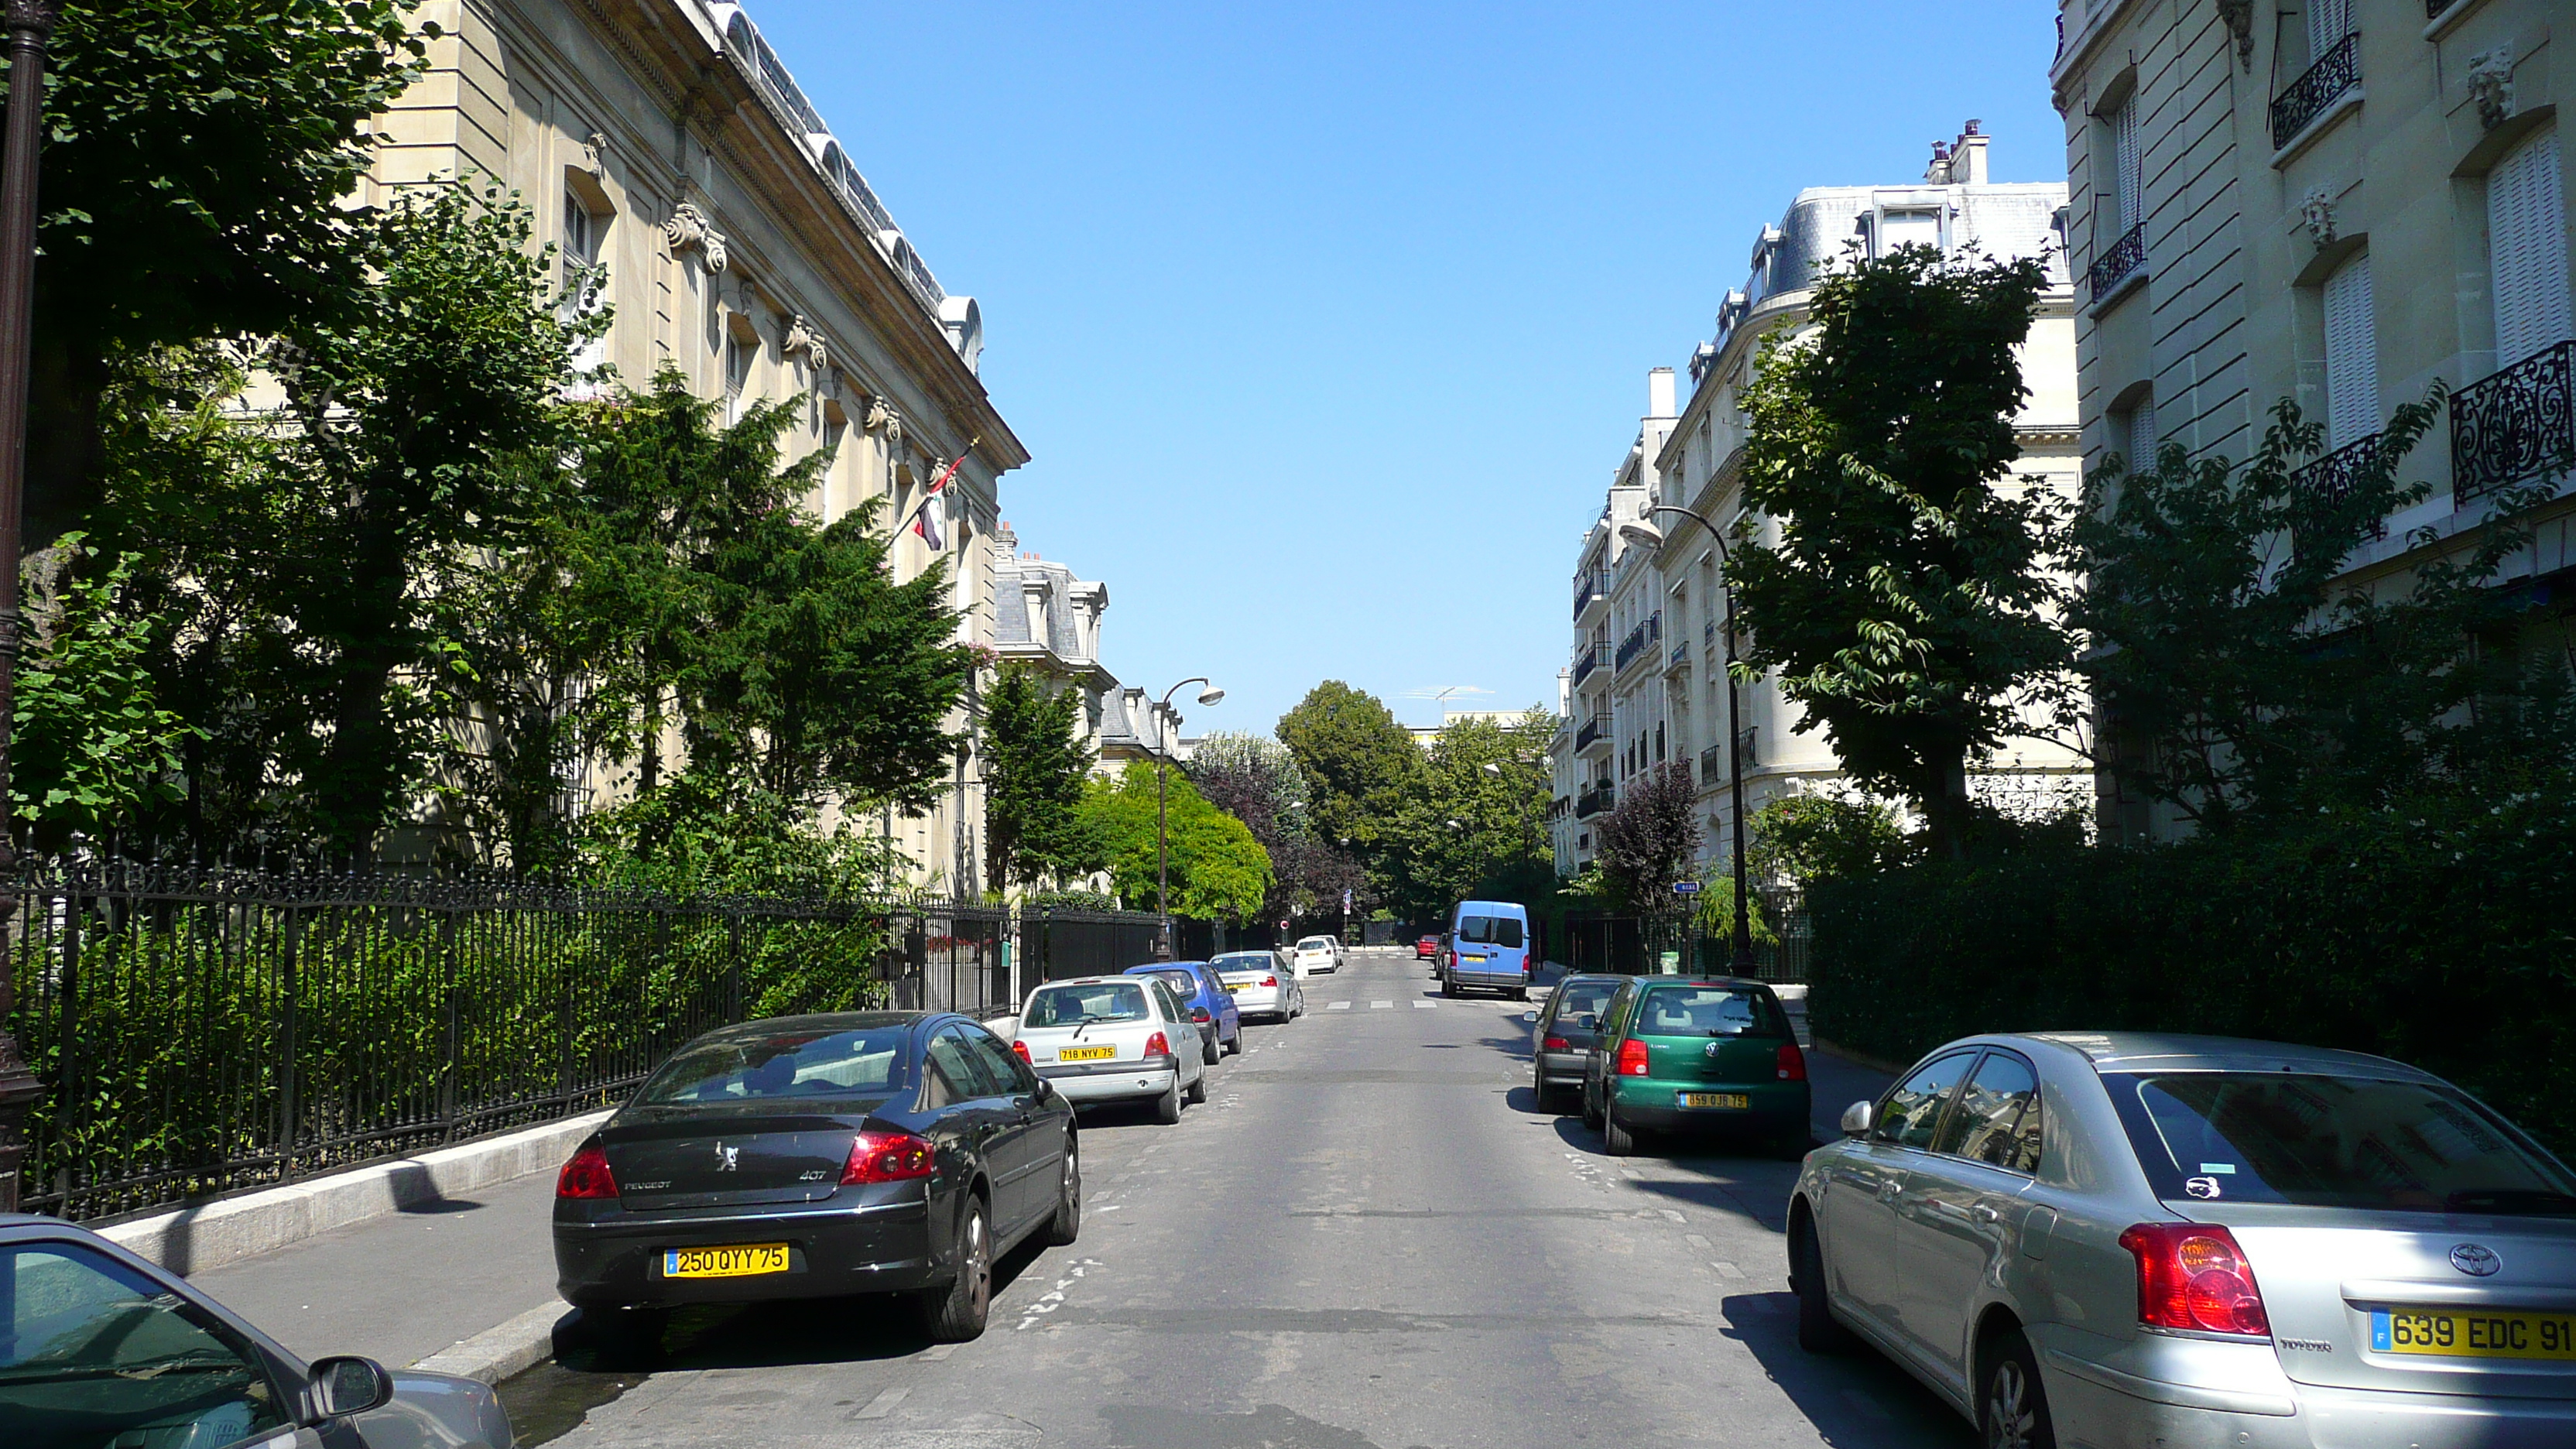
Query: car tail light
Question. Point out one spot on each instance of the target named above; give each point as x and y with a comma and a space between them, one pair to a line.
1632, 1058
1555, 1044
1270, 981
1158, 1045
1199, 1014
1793, 1063
586, 1176
2192, 1276
888, 1157
1022, 1049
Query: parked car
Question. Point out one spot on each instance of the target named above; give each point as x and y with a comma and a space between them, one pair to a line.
98, 1347
1210, 1006
1487, 949
1700, 1056
1427, 949
1562, 1034
1259, 986
1100, 1039
2120, 1238
816, 1156
1316, 954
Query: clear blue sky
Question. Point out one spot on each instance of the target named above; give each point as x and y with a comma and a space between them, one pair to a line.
1327, 323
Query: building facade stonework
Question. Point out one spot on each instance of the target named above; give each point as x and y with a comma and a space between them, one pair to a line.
664, 143
2341, 204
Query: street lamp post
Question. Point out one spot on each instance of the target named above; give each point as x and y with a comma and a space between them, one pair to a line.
1162, 813
1743, 944
30, 24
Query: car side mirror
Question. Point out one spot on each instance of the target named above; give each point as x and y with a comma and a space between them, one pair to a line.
1530, 1017
340, 1387
1856, 1119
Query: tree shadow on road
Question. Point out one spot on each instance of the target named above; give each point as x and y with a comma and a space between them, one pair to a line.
1857, 1399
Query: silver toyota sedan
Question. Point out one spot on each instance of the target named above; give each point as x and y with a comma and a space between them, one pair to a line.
2122, 1240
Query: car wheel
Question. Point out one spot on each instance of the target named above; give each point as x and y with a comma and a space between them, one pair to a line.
1210, 1048
1198, 1089
2013, 1410
1540, 1090
1521, 995
625, 1337
1066, 1225
1591, 1114
956, 1313
1167, 1107
1818, 1332
1236, 1046
1448, 987
1616, 1139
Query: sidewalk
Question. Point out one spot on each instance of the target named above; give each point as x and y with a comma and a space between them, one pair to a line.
407, 1285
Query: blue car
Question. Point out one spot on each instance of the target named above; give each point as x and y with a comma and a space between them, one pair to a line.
1196, 983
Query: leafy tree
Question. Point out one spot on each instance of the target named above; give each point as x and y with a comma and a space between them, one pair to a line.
1258, 781
2245, 676
199, 155
1360, 767
1218, 871
1807, 838
1476, 828
1649, 838
1034, 768
1713, 910
1908, 598
91, 743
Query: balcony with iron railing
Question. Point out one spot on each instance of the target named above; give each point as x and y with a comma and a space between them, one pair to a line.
1594, 731
2113, 271
2334, 474
2316, 89
1712, 762
1593, 801
1650, 632
1678, 658
1585, 661
1589, 589
2515, 424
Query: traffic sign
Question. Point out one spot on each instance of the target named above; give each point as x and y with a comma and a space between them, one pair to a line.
1685, 887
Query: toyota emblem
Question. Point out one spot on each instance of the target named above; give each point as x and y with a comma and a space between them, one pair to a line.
2476, 1260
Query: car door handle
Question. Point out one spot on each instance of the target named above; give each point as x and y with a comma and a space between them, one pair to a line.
1985, 1214
1887, 1190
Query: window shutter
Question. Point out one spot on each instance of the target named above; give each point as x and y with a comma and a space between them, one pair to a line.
2124, 141
2352, 355
2527, 249
2328, 21
2142, 435
1909, 228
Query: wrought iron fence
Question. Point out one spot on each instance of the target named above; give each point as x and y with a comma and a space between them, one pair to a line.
2113, 267
200, 1032
2334, 474
2514, 424
2336, 71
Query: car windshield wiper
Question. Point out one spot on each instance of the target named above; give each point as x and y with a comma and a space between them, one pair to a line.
2517, 1201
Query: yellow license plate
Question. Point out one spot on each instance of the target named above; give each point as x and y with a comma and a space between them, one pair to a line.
745, 1261
2455, 1333
1086, 1054
1232, 987
1734, 1100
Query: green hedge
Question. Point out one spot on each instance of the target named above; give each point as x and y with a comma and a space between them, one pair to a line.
2437, 935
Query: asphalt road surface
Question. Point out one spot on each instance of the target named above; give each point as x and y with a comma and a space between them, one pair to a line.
1366, 1239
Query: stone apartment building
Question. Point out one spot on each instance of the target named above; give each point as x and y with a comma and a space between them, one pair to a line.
667, 143
2340, 202
1666, 693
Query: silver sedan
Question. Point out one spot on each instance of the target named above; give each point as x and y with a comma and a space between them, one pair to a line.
2125, 1240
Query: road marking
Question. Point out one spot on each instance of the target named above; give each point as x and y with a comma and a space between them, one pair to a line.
1337, 1006
935, 1355
882, 1405
1381, 1006
1426, 1005
1729, 1269
1676, 1217
1695, 1240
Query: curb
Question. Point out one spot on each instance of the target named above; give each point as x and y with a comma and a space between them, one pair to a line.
211, 1235
497, 1353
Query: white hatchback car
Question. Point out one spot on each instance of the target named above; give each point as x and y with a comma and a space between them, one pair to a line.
1258, 986
1103, 1039
1316, 954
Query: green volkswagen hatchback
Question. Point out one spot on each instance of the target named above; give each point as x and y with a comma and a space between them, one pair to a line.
1712, 1055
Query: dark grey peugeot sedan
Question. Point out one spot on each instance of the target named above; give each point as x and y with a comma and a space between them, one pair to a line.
815, 1156
100, 1348
1562, 1034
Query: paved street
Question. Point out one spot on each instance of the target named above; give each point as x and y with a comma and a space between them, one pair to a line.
1365, 1238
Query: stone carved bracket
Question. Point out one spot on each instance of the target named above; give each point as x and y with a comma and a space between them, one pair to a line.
2490, 84
802, 338
2238, 16
689, 228
594, 155
2317, 214
882, 417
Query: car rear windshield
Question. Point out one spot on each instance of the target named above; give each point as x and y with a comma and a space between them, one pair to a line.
1316, 943
869, 1062
1573, 1001
1490, 931
1707, 1011
1248, 961
1183, 982
2327, 1141
1094, 1001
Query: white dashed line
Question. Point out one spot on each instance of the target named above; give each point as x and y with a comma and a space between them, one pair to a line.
882, 1405
1337, 1006
1381, 1006
1426, 1005
1695, 1240
1728, 1269
1676, 1217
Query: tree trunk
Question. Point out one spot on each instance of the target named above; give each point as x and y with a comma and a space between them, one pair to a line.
1946, 812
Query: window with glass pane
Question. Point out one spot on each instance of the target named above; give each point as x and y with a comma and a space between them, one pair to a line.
96, 1355
957, 1066
1913, 1111
1997, 1121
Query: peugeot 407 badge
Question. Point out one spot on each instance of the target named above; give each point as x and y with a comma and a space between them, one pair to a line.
2476, 1260
726, 1158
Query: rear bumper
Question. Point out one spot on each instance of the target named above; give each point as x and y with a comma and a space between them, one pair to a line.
832, 1249
1260, 1001
2093, 1403
1563, 1068
1472, 979
1085, 1083
1655, 1103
